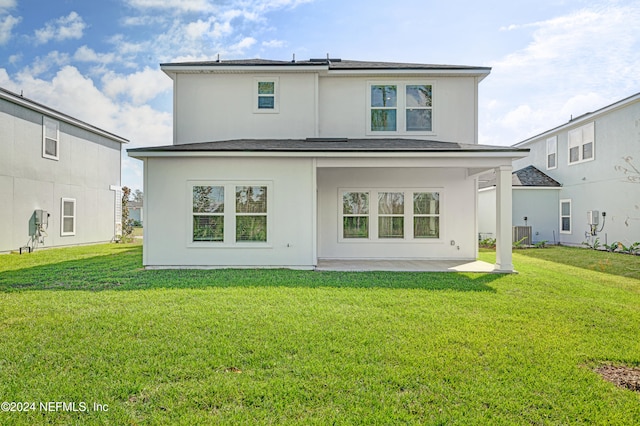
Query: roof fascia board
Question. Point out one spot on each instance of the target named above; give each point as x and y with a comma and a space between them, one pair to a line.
60, 116
435, 72
241, 68
330, 154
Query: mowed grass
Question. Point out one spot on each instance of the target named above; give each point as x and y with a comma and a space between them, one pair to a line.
88, 324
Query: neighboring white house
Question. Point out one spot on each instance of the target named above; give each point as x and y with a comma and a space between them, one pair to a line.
535, 201
596, 160
279, 164
59, 177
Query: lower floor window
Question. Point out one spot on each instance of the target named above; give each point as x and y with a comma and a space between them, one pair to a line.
215, 220
251, 213
384, 214
68, 215
565, 216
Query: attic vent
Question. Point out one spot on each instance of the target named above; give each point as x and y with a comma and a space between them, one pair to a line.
327, 140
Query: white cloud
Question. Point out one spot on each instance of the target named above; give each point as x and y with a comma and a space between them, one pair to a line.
6, 28
243, 44
86, 54
14, 59
7, 4
274, 43
67, 27
41, 65
139, 87
177, 5
573, 64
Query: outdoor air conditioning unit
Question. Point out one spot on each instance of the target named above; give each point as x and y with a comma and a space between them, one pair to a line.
522, 233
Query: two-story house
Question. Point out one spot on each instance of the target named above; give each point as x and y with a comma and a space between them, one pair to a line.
588, 182
59, 178
280, 164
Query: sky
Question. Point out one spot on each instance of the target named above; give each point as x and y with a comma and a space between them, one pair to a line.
99, 61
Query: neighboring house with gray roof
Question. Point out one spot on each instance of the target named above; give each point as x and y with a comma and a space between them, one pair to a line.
59, 177
596, 160
280, 164
535, 200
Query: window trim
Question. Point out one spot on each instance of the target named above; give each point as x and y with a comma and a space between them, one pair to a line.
591, 139
63, 216
570, 216
374, 216
554, 142
401, 107
256, 95
46, 120
229, 214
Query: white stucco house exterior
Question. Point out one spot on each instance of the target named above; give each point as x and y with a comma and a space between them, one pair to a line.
595, 161
280, 164
59, 178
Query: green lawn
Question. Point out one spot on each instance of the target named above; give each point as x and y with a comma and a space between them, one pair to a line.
88, 325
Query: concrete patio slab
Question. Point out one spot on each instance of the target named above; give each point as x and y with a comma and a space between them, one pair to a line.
404, 265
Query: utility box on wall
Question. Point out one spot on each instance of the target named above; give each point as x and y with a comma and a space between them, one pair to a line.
593, 217
41, 218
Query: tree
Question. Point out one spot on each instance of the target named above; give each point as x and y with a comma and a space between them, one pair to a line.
137, 196
127, 225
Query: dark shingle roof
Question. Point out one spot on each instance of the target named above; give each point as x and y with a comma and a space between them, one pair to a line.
328, 145
333, 64
529, 176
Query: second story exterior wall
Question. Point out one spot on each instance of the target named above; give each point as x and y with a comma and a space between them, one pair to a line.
218, 101
616, 135
211, 107
345, 107
84, 158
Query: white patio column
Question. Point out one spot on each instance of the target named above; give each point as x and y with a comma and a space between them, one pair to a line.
504, 261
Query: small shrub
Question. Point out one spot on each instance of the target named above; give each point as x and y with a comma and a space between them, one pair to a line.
541, 244
488, 243
595, 245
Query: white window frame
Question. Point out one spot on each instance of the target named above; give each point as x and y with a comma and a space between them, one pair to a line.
374, 216
401, 107
256, 95
229, 214
64, 233
46, 121
552, 149
579, 138
216, 214
569, 216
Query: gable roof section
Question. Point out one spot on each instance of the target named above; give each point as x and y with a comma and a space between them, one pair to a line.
530, 176
326, 145
583, 119
330, 66
52, 113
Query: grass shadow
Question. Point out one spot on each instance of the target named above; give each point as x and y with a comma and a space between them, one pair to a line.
123, 271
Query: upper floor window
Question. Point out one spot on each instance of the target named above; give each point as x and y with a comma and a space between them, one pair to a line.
266, 95
401, 108
582, 144
552, 153
50, 138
